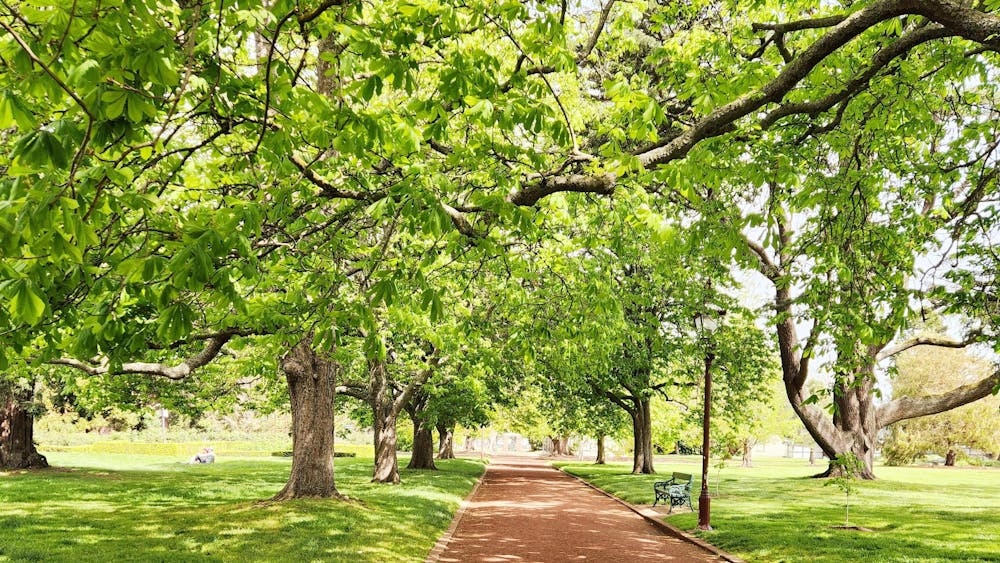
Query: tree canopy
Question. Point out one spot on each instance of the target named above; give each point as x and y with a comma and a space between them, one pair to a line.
177, 175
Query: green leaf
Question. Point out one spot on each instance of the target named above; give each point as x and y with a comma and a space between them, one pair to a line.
13, 111
114, 103
26, 304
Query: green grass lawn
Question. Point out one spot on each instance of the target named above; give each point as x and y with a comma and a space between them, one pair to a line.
111, 507
775, 512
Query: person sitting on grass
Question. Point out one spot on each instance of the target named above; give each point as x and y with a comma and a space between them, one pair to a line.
207, 455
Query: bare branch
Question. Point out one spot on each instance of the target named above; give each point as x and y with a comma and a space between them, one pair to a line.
529, 195
601, 22
786, 27
213, 346
905, 408
933, 340
324, 6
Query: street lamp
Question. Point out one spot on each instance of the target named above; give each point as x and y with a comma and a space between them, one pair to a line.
706, 323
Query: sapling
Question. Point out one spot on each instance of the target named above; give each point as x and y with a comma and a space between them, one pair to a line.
846, 468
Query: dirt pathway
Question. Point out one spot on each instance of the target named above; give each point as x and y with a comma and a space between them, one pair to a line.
525, 510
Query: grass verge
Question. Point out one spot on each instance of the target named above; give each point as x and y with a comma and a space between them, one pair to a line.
775, 512
110, 507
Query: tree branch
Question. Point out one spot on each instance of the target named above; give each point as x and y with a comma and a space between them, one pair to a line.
767, 267
324, 6
722, 118
461, 222
881, 59
213, 345
934, 340
787, 27
912, 407
601, 22
531, 194
328, 189
357, 391
404, 396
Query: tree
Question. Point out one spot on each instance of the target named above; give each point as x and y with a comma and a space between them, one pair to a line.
196, 152
461, 397
311, 387
17, 445
923, 372
849, 468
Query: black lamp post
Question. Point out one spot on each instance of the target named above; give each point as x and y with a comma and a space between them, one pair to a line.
706, 323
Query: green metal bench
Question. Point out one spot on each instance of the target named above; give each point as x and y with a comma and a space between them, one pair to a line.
676, 491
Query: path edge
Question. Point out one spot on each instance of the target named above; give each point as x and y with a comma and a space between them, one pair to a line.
654, 519
449, 534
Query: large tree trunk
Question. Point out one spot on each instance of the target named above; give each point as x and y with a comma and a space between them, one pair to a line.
642, 432
422, 456
600, 450
310, 387
423, 446
446, 441
17, 428
855, 417
384, 425
385, 409
854, 427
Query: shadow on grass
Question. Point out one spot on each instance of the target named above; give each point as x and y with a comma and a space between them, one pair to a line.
190, 513
779, 513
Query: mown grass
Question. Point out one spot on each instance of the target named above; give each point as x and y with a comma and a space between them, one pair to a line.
108, 507
775, 512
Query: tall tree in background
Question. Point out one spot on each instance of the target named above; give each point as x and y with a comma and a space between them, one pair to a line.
928, 371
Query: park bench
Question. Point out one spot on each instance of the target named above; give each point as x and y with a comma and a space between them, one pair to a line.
676, 491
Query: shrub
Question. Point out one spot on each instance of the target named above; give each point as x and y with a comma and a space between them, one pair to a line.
900, 453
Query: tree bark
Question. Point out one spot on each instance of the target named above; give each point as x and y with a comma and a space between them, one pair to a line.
311, 388
747, 453
423, 447
560, 445
949, 458
422, 456
642, 431
600, 450
385, 408
446, 441
384, 425
17, 429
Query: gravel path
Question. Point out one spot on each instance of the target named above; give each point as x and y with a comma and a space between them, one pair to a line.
525, 510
